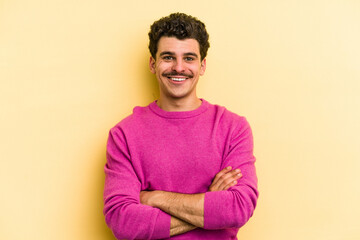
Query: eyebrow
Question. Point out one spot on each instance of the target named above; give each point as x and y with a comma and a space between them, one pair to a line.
172, 53
191, 54
166, 53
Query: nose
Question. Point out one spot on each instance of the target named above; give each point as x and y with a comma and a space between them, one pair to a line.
178, 65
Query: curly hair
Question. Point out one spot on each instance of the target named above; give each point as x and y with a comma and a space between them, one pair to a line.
181, 26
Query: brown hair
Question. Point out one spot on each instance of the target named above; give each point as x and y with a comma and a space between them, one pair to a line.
181, 26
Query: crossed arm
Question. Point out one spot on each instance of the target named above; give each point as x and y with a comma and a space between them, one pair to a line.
156, 212
187, 210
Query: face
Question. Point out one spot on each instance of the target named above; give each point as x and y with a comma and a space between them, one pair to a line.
177, 67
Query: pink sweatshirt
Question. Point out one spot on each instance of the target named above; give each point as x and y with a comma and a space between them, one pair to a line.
178, 152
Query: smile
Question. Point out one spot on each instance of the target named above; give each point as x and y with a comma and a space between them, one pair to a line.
177, 79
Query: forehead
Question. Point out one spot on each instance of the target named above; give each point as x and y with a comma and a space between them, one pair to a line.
177, 46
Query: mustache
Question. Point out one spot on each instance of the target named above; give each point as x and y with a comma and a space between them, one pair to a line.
174, 73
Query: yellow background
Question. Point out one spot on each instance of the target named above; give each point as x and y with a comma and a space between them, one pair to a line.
71, 69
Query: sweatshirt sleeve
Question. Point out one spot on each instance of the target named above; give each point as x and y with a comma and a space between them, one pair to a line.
234, 207
124, 214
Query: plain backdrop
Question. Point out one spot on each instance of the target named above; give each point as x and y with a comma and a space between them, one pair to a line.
72, 69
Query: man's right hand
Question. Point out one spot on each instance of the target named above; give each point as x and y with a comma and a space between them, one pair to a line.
225, 179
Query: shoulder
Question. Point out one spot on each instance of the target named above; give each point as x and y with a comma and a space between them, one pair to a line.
238, 129
138, 117
227, 117
229, 123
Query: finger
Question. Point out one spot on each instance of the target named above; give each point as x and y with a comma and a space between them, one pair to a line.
230, 182
221, 173
223, 180
217, 180
233, 183
233, 176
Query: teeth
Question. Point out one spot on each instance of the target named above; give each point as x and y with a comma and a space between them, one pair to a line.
178, 79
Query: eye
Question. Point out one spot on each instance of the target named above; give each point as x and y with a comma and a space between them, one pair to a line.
189, 59
168, 58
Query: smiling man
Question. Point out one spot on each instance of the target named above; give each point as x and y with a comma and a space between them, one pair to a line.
178, 68
181, 167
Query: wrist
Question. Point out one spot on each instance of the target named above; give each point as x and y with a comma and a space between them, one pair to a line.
155, 198
149, 198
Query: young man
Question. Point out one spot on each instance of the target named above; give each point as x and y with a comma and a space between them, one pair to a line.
181, 167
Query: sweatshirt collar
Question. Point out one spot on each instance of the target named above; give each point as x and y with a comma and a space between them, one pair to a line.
182, 114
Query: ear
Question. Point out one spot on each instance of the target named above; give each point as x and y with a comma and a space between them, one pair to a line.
152, 65
203, 67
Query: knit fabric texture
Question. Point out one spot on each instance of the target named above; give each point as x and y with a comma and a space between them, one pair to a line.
181, 152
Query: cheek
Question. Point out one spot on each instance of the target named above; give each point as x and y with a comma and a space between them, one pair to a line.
163, 67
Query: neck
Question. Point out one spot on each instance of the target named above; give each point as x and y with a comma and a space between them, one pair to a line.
179, 105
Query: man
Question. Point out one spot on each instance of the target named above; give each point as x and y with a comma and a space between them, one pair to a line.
180, 167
